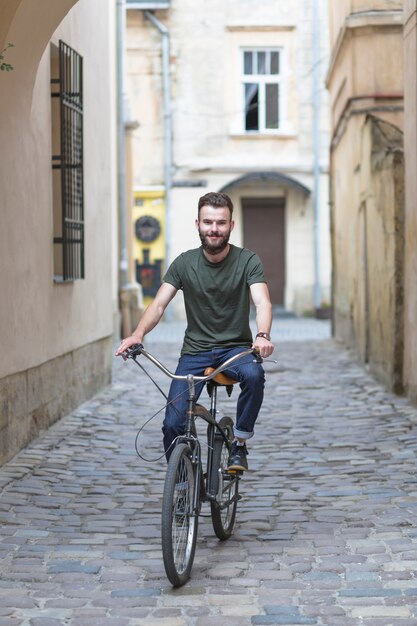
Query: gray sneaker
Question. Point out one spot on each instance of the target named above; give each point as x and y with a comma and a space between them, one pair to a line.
237, 457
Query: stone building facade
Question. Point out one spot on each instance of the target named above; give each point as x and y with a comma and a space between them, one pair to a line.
58, 229
410, 237
365, 81
240, 110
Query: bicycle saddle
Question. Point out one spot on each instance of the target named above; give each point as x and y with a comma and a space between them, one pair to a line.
220, 379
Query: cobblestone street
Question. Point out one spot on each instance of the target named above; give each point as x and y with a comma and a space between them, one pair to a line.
326, 531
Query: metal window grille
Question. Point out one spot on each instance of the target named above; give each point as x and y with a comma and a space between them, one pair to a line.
70, 161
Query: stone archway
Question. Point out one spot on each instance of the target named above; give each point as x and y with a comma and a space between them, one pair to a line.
7, 13
28, 25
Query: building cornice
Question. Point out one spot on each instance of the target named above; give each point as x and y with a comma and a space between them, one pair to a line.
241, 169
254, 28
363, 19
365, 105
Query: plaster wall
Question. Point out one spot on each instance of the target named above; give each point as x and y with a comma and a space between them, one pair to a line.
39, 318
55, 338
207, 103
210, 145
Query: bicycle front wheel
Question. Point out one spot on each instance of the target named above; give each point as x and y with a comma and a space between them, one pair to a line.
225, 484
179, 520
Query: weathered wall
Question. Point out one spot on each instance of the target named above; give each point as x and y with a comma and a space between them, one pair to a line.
369, 246
410, 140
365, 81
382, 194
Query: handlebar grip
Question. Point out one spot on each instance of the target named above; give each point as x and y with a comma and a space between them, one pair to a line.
134, 350
257, 355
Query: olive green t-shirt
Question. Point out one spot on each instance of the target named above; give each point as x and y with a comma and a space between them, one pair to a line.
216, 297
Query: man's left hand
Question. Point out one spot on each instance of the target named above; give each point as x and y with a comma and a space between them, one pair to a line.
263, 346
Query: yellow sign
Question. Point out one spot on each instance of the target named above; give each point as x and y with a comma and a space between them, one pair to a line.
148, 223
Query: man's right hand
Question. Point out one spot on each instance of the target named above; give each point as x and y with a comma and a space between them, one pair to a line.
149, 319
126, 344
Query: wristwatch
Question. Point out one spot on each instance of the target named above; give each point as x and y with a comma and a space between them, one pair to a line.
266, 336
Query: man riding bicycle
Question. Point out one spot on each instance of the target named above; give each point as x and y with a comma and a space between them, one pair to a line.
218, 280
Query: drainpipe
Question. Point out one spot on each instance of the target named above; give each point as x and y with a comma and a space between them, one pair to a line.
316, 151
121, 178
166, 88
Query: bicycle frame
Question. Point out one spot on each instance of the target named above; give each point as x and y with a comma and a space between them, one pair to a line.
190, 379
203, 493
185, 486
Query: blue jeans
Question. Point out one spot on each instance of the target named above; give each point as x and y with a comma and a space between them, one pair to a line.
249, 374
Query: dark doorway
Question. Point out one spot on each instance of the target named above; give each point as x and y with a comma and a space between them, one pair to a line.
264, 233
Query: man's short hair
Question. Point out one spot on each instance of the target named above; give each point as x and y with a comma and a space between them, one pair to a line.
216, 199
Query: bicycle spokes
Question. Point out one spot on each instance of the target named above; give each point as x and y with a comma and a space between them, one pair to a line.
179, 520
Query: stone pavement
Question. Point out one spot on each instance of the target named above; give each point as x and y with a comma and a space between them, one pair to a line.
326, 531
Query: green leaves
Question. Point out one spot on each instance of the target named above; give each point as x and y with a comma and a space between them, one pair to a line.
5, 67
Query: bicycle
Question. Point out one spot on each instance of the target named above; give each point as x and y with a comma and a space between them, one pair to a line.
186, 485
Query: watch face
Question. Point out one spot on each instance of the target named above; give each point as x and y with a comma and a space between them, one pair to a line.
147, 228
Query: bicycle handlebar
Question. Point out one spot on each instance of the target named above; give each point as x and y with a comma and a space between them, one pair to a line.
138, 348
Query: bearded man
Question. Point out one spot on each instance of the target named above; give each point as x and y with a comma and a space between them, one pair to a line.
218, 280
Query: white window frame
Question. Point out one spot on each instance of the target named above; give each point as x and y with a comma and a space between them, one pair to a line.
262, 80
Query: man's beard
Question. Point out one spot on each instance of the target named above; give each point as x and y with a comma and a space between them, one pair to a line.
214, 249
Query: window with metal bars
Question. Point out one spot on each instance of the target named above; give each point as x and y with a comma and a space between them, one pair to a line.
67, 162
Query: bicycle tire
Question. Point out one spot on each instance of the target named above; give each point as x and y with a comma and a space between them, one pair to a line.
179, 521
223, 511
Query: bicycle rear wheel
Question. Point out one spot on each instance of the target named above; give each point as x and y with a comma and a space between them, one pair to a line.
179, 520
224, 484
